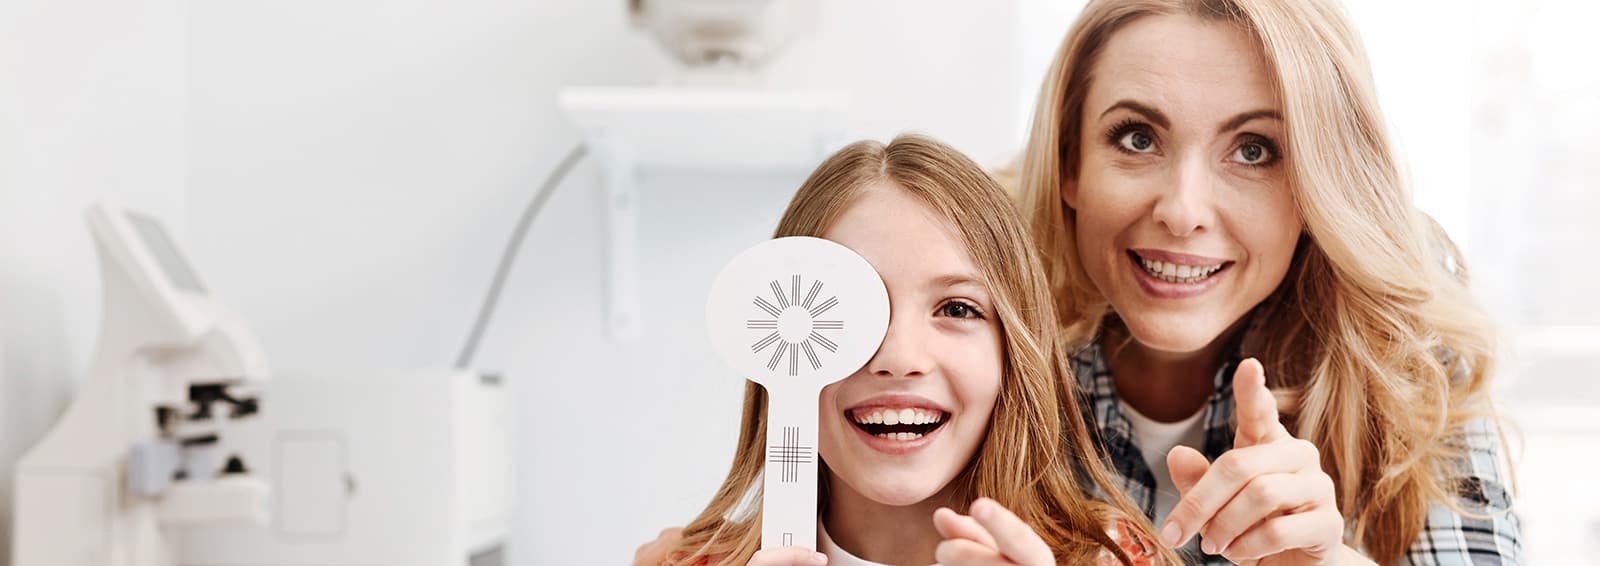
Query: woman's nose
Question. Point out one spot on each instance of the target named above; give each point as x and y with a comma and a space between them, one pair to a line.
1186, 206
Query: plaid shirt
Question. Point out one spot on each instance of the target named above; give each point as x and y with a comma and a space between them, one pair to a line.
1448, 538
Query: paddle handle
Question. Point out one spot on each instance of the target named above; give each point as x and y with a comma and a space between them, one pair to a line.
789, 502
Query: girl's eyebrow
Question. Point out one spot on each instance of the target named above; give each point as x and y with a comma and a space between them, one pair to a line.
956, 280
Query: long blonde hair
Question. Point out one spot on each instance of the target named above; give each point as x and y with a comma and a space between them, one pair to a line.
1037, 458
1372, 341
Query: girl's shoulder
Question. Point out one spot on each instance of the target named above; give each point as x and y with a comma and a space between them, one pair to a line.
1141, 550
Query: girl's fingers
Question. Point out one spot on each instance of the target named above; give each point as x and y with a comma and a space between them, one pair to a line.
1227, 476
963, 552
1014, 538
953, 525
1265, 497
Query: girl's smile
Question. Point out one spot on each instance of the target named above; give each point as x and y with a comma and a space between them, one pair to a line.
897, 424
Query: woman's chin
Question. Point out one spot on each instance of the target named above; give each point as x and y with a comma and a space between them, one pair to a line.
1174, 334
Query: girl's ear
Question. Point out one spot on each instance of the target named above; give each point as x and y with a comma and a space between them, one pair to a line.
1069, 191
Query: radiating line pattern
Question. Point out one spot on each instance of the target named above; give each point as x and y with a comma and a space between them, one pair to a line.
789, 353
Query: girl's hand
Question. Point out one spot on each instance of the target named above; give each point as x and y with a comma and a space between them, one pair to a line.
992, 535
788, 556
1265, 501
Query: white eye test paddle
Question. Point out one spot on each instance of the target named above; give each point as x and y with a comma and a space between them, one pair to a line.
794, 315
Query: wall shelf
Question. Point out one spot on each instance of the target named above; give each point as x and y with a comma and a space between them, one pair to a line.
629, 128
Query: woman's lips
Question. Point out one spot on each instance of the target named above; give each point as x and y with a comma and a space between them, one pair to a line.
1183, 276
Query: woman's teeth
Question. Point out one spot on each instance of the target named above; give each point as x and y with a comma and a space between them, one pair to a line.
1174, 273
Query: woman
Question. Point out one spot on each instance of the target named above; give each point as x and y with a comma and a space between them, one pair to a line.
1209, 180
962, 401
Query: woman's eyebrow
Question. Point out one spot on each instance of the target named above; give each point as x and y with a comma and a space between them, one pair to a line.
1241, 119
1141, 109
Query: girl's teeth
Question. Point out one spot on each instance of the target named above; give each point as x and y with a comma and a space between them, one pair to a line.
900, 435
898, 416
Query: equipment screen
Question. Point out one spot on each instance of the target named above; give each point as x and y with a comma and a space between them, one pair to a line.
161, 246
492, 557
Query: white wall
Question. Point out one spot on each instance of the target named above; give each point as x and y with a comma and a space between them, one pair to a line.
1424, 80
92, 94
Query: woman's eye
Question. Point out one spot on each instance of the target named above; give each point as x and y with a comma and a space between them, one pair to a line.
1137, 141
1253, 153
957, 309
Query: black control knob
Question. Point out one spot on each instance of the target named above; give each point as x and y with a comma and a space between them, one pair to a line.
234, 466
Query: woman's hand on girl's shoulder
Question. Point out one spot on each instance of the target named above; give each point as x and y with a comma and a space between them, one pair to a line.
654, 553
991, 535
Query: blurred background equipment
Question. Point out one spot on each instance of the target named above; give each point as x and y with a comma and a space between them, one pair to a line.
376, 468
727, 34
133, 462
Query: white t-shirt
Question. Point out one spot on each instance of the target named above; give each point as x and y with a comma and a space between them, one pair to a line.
1155, 439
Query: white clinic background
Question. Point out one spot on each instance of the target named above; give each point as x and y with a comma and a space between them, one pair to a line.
344, 173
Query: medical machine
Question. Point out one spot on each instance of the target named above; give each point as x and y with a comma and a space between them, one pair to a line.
794, 315
140, 454
375, 468
735, 34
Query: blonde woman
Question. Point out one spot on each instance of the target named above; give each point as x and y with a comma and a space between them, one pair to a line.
969, 353
1208, 180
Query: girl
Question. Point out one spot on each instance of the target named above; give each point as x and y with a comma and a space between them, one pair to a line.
964, 399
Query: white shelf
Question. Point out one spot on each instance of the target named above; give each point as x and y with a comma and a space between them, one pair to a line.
711, 128
628, 128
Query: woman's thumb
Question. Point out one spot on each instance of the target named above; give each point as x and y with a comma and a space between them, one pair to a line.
1187, 466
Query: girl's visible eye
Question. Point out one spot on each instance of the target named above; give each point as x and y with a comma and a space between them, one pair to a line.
1132, 137
959, 309
1255, 151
